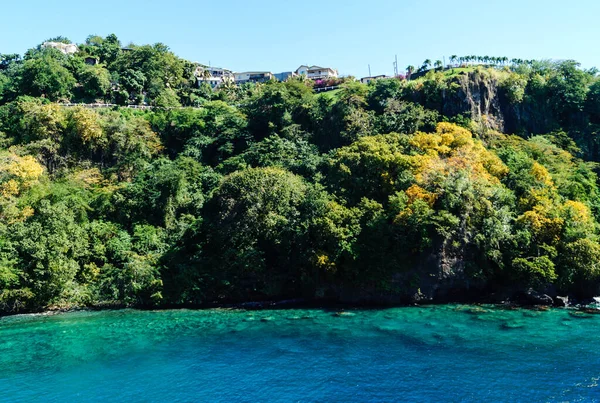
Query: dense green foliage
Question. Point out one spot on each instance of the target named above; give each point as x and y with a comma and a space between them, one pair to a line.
271, 190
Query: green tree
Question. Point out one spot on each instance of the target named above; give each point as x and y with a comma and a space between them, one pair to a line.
252, 240
95, 81
46, 77
569, 89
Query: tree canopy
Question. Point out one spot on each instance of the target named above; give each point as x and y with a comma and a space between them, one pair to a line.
483, 178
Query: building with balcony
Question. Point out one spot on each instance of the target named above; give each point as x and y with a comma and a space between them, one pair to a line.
214, 76
317, 72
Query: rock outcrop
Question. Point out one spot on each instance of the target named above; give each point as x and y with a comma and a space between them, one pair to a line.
66, 48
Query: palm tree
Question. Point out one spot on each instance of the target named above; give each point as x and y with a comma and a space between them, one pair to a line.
205, 75
229, 89
426, 64
438, 64
409, 71
302, 78
453, 59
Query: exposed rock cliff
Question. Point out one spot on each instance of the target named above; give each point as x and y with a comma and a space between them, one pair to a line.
480, 93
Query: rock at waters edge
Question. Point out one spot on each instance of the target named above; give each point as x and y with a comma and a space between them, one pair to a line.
561, 302
532, 297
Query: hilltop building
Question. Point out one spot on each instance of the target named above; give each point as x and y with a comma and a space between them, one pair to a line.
253, 77
317, 72
284, 76
214, 76
367, 80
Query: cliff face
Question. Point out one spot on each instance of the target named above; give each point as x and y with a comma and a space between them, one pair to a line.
438, 276
477, 95
480, 95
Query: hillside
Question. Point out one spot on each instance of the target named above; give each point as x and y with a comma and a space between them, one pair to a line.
477, 184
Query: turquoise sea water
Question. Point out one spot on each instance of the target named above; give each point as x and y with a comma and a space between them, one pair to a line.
445, 353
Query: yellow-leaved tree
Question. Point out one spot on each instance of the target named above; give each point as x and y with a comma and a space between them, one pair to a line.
17, 175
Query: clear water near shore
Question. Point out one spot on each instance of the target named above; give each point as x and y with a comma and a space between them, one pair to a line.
442, 353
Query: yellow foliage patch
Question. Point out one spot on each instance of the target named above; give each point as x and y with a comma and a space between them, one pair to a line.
454, 135
429, 143
86, 124
538, 198
25, 168
415, 192
11, 214
542, 224
18, 173
453, 148
541, 174
578, 211
89, 177
27, 212
324, 262
9, 188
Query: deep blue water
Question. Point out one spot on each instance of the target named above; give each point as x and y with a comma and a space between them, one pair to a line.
446, 353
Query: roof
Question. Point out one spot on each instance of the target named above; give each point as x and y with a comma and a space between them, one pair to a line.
201, 66
213, 78
379, 76
314, 67
254, 72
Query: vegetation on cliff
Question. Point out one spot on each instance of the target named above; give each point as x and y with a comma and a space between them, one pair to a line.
270, 190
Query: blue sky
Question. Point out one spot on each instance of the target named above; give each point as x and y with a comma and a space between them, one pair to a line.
345, 34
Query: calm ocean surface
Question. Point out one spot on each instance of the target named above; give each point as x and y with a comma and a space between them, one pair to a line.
431, 354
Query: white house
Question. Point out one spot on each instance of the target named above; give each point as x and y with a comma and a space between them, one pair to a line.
253, 77
317, 72
214, 76
367, 80
66, 48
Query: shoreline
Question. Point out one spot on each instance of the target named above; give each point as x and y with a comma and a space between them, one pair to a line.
301, 304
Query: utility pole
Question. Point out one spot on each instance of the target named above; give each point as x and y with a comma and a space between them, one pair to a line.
369, 70
396, 67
